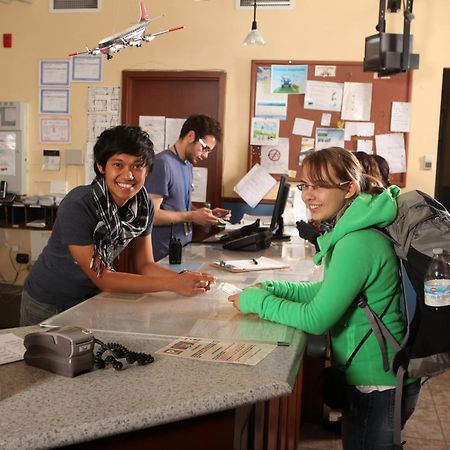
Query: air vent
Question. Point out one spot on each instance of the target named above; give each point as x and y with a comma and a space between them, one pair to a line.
265, 4
75, 5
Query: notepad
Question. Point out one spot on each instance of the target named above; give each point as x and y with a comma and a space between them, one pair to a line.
250, 264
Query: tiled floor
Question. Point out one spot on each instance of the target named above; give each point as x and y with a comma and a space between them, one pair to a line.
427, 429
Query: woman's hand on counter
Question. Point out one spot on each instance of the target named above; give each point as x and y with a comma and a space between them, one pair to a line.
193, 283
235, 300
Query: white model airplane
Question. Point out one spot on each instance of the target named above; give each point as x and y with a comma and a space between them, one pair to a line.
131, 37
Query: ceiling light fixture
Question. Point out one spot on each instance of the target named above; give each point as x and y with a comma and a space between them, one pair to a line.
254, 36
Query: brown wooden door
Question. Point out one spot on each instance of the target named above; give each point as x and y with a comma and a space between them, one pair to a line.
442, 189
178, 95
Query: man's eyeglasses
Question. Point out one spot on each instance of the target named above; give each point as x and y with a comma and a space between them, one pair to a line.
306, 186
205, 148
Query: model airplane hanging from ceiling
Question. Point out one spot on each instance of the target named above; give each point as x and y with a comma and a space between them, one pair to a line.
131, 37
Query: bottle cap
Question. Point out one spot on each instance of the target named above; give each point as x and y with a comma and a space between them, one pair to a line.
437, 251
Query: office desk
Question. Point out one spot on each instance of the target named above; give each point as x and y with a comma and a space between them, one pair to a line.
172, 403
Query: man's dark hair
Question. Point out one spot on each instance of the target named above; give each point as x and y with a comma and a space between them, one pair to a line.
123, 139
202, 126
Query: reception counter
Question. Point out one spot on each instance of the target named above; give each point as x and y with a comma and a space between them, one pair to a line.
172, 403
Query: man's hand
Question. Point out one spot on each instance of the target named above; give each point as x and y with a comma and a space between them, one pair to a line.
224, 214
193, 283
204, 217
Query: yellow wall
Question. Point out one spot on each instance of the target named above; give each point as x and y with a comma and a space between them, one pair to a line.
211, 40
324, 30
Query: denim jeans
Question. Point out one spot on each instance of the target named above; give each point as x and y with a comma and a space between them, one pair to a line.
33, 312
368, 419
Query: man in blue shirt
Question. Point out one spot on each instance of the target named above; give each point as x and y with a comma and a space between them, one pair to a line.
170, 184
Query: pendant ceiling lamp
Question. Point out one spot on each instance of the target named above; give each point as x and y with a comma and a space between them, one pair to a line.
254, 36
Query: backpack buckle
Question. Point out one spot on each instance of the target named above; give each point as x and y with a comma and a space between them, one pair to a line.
361, 301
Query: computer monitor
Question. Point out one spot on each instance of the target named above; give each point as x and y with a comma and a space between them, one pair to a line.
277, 223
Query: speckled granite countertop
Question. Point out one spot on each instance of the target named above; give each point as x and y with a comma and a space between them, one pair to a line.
39, 409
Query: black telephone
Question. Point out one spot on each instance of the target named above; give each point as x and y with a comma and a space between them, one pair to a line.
4, 196
69, 351
258, 240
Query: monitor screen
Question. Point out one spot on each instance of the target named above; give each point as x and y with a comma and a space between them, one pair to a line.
276, 224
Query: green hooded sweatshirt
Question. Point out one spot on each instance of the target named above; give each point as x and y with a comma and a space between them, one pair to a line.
356, 260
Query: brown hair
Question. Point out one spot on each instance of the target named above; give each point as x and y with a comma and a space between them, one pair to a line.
368, 164
333, 165
383, 168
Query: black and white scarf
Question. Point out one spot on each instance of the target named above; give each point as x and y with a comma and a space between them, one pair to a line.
113, 232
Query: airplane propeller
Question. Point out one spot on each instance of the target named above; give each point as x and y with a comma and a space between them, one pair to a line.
88, 51
150, 37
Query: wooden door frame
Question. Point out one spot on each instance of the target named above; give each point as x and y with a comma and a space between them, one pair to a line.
129, 77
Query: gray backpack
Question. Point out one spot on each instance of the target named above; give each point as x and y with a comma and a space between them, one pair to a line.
421, 225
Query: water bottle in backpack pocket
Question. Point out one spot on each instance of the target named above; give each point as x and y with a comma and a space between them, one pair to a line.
437, 281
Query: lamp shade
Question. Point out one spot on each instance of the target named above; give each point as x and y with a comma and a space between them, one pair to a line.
254, 36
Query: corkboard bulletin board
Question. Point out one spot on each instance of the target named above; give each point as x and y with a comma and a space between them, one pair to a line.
384, 92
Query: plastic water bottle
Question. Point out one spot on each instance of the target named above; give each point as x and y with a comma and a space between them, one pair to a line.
437, 281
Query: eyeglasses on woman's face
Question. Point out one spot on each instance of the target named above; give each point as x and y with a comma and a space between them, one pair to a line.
303, 186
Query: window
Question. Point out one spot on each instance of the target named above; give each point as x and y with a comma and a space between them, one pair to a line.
75, 5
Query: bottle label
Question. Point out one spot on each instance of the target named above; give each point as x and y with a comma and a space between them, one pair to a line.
437, 293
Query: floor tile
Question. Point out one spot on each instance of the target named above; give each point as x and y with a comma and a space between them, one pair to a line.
425, 444
427, 429
315, 437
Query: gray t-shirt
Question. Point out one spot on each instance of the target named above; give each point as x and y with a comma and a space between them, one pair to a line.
55, 277
172, 179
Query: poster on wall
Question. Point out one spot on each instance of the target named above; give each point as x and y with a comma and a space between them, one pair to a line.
267, 104
54, 101
87, 68
288, 79
275, 158
329, 137
55, 130
264, 131
323, 95
54, 72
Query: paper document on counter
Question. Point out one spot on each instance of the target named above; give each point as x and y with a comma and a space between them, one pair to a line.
221, 351
11, 348
250, 264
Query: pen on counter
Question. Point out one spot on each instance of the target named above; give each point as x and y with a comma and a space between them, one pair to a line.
254, 261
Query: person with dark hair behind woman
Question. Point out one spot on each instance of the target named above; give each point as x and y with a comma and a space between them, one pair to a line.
94, 224
383, 168
368, 164
357, 260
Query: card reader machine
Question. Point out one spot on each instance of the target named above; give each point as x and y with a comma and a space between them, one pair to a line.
66, 351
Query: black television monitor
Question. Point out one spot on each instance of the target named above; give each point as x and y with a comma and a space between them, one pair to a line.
277, 223
384, 53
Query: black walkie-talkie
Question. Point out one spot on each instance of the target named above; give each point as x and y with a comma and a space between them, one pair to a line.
175, 248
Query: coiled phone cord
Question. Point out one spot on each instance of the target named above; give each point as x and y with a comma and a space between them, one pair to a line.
118, 352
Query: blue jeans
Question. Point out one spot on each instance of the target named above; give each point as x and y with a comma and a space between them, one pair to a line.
33, 312
368, 419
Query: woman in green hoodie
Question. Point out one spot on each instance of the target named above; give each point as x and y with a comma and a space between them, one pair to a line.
356, 260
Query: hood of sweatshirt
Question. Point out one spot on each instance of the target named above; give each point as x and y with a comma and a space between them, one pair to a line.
365, 211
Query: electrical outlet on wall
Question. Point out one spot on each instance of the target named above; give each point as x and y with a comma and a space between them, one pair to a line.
427, 162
